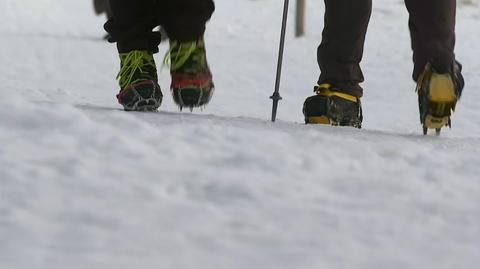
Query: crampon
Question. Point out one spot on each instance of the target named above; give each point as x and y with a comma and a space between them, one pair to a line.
438, 94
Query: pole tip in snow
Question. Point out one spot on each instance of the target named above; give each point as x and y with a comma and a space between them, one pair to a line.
275, 97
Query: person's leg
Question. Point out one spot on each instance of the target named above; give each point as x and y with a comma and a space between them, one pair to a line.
341, 49
108, 10
432, 29
337, 96
184, 21
132, 23
437, 73
131, 27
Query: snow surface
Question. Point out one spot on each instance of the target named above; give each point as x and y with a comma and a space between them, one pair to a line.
85, 185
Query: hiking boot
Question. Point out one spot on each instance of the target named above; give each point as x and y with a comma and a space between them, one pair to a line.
331, 106
438, 90
138, 82
192, 84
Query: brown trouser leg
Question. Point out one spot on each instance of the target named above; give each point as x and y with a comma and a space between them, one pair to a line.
432, 29
341, 50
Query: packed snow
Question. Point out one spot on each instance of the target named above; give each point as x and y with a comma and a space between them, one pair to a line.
84, 184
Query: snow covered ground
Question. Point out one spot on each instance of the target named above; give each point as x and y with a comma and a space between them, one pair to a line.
85, 185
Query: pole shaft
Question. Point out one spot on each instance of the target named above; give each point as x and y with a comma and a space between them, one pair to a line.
276, 94
300, 18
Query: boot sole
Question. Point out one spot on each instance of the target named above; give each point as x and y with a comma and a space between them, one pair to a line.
143, 105
151, 102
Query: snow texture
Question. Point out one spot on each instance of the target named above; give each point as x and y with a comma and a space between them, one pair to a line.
84, 184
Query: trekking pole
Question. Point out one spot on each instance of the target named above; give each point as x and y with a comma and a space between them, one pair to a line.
276, 94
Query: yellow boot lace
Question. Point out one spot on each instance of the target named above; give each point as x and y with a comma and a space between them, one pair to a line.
132, 62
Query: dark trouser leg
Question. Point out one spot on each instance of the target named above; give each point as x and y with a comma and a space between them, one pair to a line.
184, 20
341, 50
132, 24
432, 29
108, 10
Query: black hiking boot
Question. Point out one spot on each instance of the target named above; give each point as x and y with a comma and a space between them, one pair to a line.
330, 106
192, 84
438, 90
138, 82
